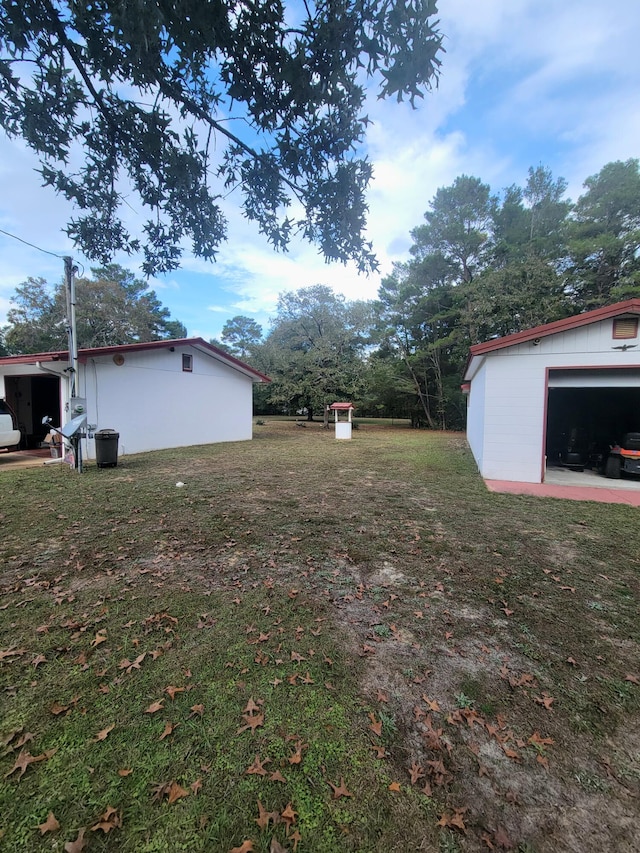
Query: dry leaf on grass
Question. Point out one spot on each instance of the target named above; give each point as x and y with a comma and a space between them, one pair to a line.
245, 847
257, 767
25, 758
78, 845
340, 790
102, 735
110, 819
50, 824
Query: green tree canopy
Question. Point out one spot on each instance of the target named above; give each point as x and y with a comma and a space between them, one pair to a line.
112, 308
604, 241
174, 104
313, 352
241, 336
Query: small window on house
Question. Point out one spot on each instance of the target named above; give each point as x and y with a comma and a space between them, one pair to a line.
187, 363
625, 327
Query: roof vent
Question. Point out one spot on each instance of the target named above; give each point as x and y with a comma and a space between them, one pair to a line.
625, 327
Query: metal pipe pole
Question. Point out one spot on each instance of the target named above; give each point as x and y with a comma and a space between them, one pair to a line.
69, 272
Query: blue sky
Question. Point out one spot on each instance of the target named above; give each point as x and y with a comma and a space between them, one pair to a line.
524, 82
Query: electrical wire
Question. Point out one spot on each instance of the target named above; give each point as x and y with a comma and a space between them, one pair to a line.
46, 252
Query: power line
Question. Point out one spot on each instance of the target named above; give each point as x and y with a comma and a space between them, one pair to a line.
46, 252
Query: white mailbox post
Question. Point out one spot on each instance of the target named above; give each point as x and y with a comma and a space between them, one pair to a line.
343, 428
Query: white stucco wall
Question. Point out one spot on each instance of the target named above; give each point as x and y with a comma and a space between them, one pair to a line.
506, 417
153, 404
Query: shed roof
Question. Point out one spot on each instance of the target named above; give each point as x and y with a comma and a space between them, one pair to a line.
84, 354
341, 407
630, 307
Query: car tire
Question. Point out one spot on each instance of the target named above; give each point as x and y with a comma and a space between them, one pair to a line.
612, 468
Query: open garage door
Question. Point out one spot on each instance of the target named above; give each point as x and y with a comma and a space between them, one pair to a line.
587, 411
31, 398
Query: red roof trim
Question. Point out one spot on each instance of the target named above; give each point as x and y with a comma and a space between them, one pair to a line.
84, 354
630, 306
341, 407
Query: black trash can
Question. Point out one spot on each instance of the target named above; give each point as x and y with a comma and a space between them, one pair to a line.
107, 448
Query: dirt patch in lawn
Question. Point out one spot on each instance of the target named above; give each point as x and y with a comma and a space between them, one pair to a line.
492, 640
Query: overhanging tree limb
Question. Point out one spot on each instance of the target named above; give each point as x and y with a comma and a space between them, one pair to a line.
296, 84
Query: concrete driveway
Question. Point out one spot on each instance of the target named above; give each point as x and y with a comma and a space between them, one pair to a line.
24, 459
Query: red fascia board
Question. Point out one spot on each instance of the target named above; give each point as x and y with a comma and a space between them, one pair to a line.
31, 358
630, 306
341, 407
96, 352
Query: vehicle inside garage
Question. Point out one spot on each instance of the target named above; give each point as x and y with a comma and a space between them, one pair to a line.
589, 411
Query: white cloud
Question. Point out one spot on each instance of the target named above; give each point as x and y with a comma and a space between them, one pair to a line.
523, 81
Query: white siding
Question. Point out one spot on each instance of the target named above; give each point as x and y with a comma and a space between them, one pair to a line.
514, 415
153, 404
506, 428
475, 416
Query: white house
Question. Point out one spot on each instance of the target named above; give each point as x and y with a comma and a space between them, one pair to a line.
535, 394
156, 395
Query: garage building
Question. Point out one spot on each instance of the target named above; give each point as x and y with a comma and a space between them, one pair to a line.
156, 395
555, 392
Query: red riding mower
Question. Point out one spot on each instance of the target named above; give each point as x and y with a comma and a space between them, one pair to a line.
624, 457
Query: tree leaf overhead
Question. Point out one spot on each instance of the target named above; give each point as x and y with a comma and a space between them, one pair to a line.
154, 111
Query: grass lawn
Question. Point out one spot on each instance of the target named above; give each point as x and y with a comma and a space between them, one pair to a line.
315, 645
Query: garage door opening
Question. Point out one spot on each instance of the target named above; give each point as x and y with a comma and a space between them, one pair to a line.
31, 398
587, 412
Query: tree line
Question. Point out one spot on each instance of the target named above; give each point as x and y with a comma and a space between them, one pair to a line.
481, 265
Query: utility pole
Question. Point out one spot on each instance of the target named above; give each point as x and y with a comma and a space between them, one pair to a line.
70, 290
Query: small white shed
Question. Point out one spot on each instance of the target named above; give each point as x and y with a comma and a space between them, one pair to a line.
574, 383
156, 395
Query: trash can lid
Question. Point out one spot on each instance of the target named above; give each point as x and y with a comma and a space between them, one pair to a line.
106, 433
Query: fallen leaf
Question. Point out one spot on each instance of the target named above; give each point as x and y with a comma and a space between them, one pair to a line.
252, 721
168, 729
102, 735
276, 847
125, 771
257, 767
632, 678
101, 637
196, 710
376, 725
25, 758
50, 824
78, 845
195, 786
110, 819
545, 700
340, 790
431, 704
246, 846
176, 792
265, 817
538, 740
416, 772
155, 706
277, 776
456, 820
289, 815
394, 786
172, 691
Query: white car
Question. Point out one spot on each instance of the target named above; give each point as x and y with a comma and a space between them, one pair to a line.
9, 433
